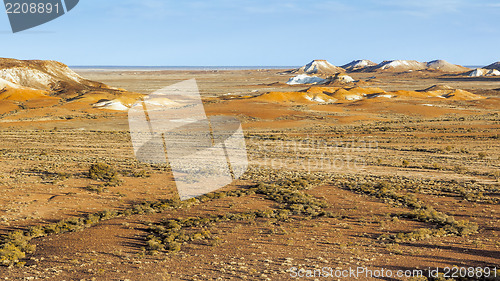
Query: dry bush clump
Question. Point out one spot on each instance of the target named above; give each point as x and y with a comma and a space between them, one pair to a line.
104, 172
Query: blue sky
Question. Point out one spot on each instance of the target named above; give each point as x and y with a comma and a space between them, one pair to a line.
261, 32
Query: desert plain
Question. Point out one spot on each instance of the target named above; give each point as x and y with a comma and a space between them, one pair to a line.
396, 171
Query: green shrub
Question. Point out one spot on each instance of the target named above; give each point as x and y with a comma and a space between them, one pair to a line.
14, 247
140, 174
11, 254
97, 188
104, 172
55, 177
154, 244
437, 166
173, 246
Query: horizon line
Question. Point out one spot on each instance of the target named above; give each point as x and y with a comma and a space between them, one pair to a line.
186, 67
203, 66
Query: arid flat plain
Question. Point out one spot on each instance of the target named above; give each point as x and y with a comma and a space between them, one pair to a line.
400, 183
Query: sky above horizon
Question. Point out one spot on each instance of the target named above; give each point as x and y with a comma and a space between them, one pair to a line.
261, 32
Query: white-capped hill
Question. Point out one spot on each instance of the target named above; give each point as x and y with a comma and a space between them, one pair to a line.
42, 75
319, 67
399, 65
358, 65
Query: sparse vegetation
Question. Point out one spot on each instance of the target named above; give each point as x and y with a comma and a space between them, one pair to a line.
170, 234
447, 225
100, 188
139, 174
421, 173
104, 172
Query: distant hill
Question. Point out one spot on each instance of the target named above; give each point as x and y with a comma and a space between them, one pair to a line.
445, 66
318, 67
358, 65
412, 65
323, 67
495, 65
398, 66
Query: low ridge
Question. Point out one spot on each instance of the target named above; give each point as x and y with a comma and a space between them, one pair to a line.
322, 94
412, 65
